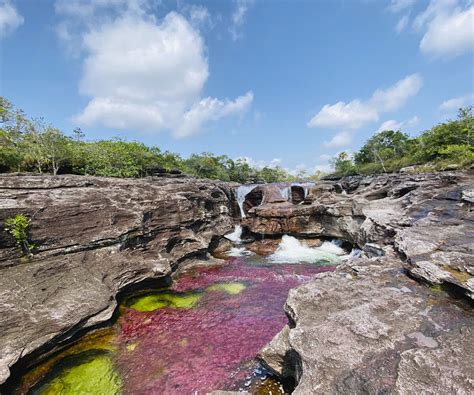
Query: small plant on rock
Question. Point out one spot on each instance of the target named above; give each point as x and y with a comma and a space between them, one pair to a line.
18, 226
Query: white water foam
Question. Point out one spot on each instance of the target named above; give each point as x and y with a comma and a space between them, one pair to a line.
239, 251
291, 250
242, 192
236, 235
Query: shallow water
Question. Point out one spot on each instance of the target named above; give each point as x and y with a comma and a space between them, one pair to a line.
201, 334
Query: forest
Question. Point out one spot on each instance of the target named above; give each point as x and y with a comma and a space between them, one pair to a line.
33, 145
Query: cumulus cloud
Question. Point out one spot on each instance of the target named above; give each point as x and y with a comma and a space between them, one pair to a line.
446, 26
456, 103
210, 109
341, 139
238, 17
146, 75
392, 124
10, 19
357, 113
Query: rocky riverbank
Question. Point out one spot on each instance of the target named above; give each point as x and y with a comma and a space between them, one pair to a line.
397, 320
94, 238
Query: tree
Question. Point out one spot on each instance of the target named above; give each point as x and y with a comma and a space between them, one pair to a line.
56, 146
434, 143
383, 146
13, 124
343, 164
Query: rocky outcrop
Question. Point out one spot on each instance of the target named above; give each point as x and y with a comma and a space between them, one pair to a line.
373, 326
369, 328
428, 217
94, 238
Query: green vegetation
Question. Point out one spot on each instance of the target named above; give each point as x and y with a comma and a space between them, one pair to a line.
32, 145
90, 372
18, 226
165, 299
445, 145
229, 288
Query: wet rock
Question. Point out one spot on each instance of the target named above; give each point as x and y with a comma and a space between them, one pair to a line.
95, 237
368, 328
428, 217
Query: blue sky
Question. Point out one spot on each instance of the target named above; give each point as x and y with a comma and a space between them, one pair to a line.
280, 82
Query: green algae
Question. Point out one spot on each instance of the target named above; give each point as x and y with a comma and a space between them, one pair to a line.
229, 288
460, 276
102, 339
90, 372
166, 299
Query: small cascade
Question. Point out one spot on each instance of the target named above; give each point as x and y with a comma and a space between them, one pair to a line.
292, 250
306, 187
236, 235
285, 191
242, 192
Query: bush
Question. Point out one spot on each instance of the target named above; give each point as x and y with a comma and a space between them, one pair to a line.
18, 226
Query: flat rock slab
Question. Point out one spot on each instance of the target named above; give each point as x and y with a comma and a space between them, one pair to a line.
368, 328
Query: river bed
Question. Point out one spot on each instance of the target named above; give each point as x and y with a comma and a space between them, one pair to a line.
201, 334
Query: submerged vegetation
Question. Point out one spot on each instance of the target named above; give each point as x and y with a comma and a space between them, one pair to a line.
33, 145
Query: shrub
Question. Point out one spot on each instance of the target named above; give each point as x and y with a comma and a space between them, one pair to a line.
18, 226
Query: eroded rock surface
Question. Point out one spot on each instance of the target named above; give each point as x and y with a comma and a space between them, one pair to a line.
428, 217
374, 326
94, 237
369, 328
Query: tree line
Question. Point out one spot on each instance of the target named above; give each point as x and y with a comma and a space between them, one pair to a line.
447, 145
33, 145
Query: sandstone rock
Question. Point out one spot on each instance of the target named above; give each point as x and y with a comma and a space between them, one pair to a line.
95, 237
365, 331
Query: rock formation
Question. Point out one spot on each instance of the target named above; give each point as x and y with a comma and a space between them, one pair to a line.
372, 326
397, 320
95, 237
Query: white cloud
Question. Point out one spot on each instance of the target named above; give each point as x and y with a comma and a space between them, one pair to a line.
260, 164
447, 26
392, 124
325, 157
357, 113
402, 23
401, 5
238, 17
325, 168
397, 95
142, 74
199, 15
10, 19
449, 29
457, 102
210, 109
341, 139
344, 115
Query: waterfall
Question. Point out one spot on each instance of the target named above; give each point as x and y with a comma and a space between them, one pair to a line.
236, 235
242, 192
286, 192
